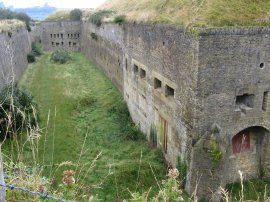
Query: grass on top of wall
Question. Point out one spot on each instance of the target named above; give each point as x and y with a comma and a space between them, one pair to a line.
83, 112
210, 13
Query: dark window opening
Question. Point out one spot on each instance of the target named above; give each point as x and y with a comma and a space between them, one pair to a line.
62, 43
74, 44
52, 43
126, 63
265, 100
62, 35
241, 142
78, 35
246, 100
157, 83
71, 36
51, 35
69, 43
54, 35
169, 91
136, 69
57, 35
262, 65
142, 73
68, 35
57, 44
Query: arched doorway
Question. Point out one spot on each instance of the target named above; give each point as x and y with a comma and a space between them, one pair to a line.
249, 153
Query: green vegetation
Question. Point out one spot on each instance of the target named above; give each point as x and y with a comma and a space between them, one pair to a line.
208, 13
97, 17
31, 57
7, 25
36, 49
75, 14
6, 14
82, 129
17, 110
252, 190
60, 57
119, 19
94, 36
59, 15
216, 153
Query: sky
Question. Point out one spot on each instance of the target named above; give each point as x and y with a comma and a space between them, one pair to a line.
55, 3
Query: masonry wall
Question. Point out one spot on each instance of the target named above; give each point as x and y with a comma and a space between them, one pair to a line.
14, 47
65, 35
234, 68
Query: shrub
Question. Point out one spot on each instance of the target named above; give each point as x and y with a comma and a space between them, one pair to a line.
75, 14
94, 36
31, 57
97, 17
129, 130
36, 49
119, 19
60, 57
17, 110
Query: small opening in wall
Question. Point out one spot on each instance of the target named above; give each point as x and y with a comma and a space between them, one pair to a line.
245, 101
169, 91
74, 44
78, 35
157, 83
241, 142
136, 69
68, 35
51, 35
265, 100
62, 36
52, 43
62, 43
69, 43
71, 35
57, 35
142, 73
54, 36
57, 44
262, 65
163, 43
126, 63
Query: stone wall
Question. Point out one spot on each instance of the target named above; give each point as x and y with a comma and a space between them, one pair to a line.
199, 91
65, 35
233, 81
14, 47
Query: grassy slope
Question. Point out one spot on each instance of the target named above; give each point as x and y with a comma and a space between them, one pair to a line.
59, 15
84, 99
195, 12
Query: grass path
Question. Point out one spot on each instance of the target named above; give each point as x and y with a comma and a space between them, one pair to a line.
82, 104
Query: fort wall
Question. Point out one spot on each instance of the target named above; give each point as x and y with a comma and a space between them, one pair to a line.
14, 47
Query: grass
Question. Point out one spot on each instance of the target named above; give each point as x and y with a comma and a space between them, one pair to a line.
210, 13
6, 25
78, 103
59, 15
255, 190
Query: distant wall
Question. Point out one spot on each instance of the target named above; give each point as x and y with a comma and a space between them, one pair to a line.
14, 47
65, 35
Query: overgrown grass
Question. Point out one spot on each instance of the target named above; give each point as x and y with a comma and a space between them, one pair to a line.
59, 15
83, 111
194, 12
6, 25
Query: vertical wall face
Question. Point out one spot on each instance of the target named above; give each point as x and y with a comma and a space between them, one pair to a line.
65, 35
233, 86
14, 47
156, 69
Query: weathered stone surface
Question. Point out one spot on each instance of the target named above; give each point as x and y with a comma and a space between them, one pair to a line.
198, 91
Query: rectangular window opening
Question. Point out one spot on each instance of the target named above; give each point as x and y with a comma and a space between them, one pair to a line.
57, 35
142, 73
136, 69
265, 100
54, 35
52, 43
57, 44
62, 36
169, 91
157, 83
245, 101
51, 35
69, 43
74, 44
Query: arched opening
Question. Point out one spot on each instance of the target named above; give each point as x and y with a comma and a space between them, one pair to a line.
250, 153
